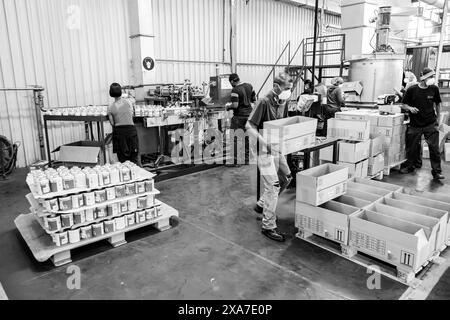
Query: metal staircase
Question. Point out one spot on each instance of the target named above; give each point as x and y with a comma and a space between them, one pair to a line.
330, 55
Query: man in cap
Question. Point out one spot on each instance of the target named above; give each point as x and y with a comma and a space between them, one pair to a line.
242, 97
273, 166
423, 102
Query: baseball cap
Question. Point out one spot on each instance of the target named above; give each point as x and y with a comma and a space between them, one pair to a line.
427, 73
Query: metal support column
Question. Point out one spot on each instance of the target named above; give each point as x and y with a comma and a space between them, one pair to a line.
316, 15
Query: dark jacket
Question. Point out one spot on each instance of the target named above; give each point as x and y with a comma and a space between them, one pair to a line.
335, 97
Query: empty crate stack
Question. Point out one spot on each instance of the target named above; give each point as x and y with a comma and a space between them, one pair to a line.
402, 228
315, 211
358, 150
393, 129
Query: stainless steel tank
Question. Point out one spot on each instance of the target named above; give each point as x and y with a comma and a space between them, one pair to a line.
379, 74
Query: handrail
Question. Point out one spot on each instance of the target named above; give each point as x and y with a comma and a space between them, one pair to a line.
288, 45
296, 51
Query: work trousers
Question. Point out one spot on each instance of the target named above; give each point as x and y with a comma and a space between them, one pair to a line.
241, 156
126, 143
276, 176
413, 143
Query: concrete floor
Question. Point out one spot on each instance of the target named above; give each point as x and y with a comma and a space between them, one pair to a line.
214, 251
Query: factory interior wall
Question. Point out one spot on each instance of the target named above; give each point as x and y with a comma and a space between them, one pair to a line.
75, 49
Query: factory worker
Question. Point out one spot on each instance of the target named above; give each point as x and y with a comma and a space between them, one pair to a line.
423, 103
335, 96
275, 172
242, 97
120, 114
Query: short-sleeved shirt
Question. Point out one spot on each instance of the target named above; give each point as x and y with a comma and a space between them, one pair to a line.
424, 100
122, 112
243, 94
267, 109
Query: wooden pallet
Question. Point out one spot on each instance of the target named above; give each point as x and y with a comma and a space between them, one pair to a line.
379, 176
396, 166
351, 253
43, 248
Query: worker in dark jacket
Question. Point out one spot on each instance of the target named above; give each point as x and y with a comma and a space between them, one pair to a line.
242, 97
335, 96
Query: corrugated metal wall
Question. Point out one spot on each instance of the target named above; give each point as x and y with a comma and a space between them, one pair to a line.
190, 39
74, 48
264, 29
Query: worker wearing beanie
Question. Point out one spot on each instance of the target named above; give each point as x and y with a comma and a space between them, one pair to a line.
423, 102
275, 172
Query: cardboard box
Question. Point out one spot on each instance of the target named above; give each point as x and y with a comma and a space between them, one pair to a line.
362, 195
296, 144
322, 177
354, 169
353, 151
352, 201
376, 144
359, 169
352, 97
326, 154
425, 151
398, 242
447, 151
364, 187
431, 225
316, 198
436, 201
290, 128
82, 153
376, 165
390, 108
330, 220
444, 134
358, 115
374, 130
349, 129
390, 120
390, 131
422, 215
352, 87
378, 184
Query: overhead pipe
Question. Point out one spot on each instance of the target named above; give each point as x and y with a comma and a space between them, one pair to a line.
441, 41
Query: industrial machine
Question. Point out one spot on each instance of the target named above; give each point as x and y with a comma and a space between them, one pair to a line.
185, 94
220, 89
380, 72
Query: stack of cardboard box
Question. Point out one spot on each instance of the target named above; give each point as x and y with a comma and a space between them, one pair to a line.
393, 129
359, 151
315, 210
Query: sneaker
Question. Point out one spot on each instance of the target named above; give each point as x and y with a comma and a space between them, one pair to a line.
438, 176
274, 235
258, 209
